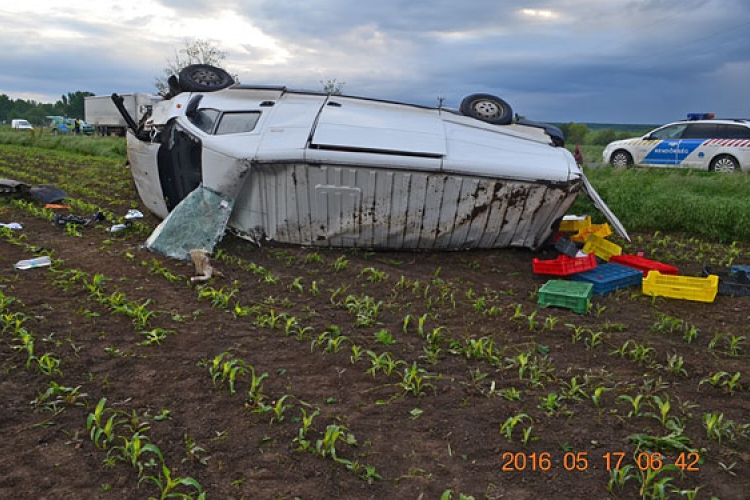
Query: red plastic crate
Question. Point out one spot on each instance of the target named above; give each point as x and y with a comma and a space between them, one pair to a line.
643, 264
564, 265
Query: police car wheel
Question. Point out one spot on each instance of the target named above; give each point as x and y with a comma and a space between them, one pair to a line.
724, 164
621, 159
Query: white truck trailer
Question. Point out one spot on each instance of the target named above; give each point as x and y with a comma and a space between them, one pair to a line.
101, 112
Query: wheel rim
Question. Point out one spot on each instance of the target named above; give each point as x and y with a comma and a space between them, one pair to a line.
487, 109
206, 77
725, 166
620, 160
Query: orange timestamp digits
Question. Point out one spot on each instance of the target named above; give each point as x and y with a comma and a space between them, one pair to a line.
581, 461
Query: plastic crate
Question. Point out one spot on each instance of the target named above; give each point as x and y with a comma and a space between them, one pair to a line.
681, 287
609, 277
574, 223
735, 268
735, 283
573, 295
602, 248
601, 230
567, 247
564, 265
643, 264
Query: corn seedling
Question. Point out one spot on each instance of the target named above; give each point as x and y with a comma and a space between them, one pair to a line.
307, 420
326, 447
158, 269
383, 337
56, 395
414, 380
724, 380
550, 404
635, 404
296, 285
225, 369
155, 336
675, 365
255, 394
573, 390
653, 488
593, 340
331, 340
735, 345
48, 364
511, 422
168, 485
271, 319
373, 275
716, 428
278, 408
510, 394
365, 309
596, 396
101, 424
340, 263
219, 298
194, 452
619, 477
134, 450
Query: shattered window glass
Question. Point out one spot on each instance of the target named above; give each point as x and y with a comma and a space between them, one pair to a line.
205, 119
197, 222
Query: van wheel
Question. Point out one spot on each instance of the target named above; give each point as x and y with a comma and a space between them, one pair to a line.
204, 78
724, 164
487, 108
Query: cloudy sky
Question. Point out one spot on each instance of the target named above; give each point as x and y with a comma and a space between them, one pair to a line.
600, 61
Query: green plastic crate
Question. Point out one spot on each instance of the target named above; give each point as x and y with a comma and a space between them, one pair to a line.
573, 295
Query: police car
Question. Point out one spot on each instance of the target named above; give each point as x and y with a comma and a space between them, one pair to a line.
701, 142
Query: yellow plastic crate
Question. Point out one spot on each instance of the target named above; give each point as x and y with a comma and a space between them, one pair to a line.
602, 248
681, 287
601, 230
573, 223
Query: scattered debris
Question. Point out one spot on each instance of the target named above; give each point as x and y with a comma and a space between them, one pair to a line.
12, 225
63, 220
32, 263
203, 268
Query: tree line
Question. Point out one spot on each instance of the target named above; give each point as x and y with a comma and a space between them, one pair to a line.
69, 105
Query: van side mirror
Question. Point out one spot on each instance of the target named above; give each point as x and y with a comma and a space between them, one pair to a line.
192, 106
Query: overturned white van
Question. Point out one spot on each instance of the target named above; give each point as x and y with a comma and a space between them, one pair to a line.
315, 169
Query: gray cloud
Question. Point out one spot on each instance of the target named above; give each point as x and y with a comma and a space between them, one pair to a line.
559, 60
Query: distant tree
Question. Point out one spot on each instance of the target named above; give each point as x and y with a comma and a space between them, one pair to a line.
72, 104
332, 87
604, 137
197, 51
574, 132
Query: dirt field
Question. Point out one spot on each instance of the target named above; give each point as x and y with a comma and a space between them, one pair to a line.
387, 375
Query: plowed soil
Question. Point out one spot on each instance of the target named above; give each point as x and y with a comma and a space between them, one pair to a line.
469, 345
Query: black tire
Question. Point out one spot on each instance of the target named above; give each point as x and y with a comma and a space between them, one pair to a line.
487, 108
621, 159
204, 78
724, 164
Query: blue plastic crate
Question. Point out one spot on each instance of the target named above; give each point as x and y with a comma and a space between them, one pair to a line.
745, 269
609, 277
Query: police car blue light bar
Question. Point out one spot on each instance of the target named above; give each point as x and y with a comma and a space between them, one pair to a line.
700, 116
